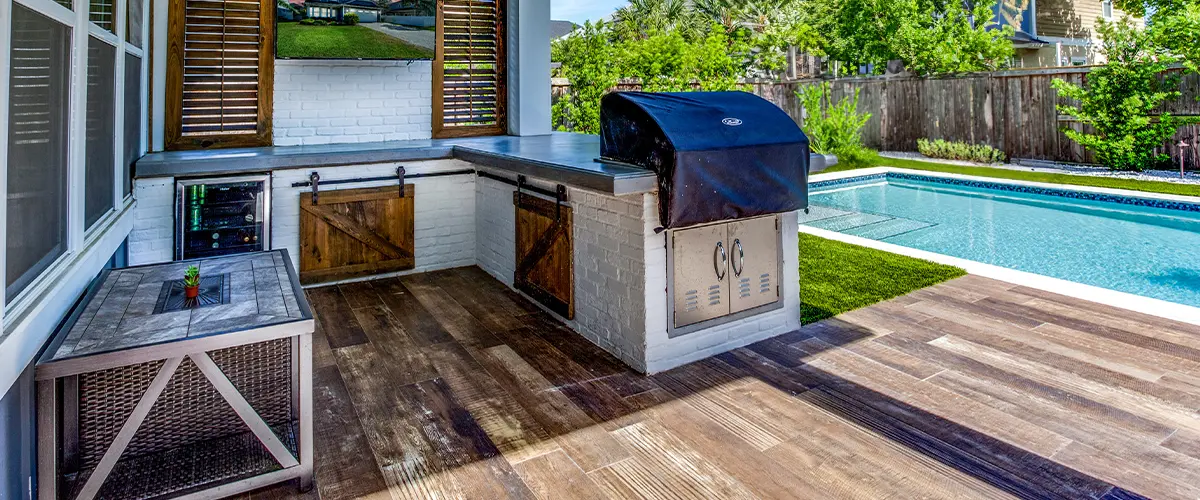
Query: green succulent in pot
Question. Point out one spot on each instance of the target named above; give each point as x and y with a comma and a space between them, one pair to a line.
191, 282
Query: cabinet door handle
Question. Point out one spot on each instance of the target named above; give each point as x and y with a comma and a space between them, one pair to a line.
720, 265
740, 264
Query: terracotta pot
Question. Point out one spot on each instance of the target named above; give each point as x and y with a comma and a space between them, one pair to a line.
191, 292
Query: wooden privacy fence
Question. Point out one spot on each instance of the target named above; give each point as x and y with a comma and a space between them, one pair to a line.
1014, 111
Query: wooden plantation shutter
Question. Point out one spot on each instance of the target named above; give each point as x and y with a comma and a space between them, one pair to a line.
468, 69
219, 73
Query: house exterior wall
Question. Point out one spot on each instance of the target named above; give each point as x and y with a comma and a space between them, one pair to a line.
17, 432
1049, 55
1074, 19
323, 102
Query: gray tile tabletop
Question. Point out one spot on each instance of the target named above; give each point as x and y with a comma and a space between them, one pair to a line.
121, 314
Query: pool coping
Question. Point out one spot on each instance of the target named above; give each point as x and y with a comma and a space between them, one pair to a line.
1122, 300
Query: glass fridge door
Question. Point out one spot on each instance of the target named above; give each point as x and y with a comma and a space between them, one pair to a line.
222, 216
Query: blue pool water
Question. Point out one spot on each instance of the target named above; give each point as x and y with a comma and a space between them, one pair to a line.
1153, 251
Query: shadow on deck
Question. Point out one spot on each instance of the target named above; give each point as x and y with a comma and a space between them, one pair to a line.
449, 385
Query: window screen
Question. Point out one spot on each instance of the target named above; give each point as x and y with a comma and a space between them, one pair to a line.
37, 147
99, 157
133, 23
101, 13
133, 120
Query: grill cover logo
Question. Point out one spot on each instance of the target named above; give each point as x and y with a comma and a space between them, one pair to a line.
732, 122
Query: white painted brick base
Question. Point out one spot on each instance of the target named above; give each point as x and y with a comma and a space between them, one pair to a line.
620, 265
444, 212
323, 102
444, 209
152, 239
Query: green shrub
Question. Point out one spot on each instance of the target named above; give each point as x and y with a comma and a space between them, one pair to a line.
321, 22
1118, 102
832, 128
947, 150
350, 19
308, 21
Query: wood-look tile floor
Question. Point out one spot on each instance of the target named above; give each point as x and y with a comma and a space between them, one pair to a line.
447, 385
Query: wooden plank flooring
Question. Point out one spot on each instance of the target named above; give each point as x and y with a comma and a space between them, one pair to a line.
448, 385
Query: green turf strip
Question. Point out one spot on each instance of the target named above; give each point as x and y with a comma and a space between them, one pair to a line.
836, 277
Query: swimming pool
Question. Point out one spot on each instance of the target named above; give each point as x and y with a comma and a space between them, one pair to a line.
1138, 245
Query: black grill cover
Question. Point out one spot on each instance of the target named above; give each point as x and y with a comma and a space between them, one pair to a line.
718, 155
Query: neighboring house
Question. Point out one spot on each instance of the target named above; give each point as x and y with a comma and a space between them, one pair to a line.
559, 29
335, 10
1056, 32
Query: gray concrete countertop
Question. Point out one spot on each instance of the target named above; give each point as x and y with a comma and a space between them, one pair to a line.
122, 311
559, 157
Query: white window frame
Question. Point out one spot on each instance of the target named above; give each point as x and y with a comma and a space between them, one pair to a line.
32, 315
1106, 9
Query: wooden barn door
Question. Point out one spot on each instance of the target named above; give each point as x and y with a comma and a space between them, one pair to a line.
355, 232
545, 253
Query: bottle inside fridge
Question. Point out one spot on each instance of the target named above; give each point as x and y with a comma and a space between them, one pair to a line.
222, 216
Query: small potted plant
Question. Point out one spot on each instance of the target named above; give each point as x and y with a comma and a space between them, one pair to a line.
191, 282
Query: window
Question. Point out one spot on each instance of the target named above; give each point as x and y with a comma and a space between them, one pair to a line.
1107, 7
468, 69
37, 147
221, 95
101, 13
133, 120
100, 119
133, 23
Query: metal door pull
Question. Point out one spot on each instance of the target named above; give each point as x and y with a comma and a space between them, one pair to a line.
721, 266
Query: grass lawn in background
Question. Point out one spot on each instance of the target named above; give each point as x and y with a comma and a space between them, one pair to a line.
1004, 173
343, 42
836, 277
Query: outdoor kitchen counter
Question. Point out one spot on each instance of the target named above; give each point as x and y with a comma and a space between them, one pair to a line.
559, 157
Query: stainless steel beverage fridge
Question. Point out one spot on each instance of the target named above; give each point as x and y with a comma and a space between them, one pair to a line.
222, 216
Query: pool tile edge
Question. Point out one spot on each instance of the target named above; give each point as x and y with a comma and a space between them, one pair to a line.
1120, 196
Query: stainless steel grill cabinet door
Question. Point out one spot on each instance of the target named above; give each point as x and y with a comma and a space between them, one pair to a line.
753, 262
701, 273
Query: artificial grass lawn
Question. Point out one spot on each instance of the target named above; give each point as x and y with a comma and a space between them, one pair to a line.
836, 277
343, 42
1002, 173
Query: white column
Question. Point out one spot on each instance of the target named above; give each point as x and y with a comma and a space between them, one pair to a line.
528, 67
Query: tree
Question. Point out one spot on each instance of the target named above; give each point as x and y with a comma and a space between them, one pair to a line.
587, 58
1119, 100
1177, 31
932, 37
667, 62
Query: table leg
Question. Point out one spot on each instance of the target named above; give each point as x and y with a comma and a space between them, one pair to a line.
306, 412
47, 439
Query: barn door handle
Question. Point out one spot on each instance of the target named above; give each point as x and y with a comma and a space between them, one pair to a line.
560, 197
314, 178
721, 264
740, 264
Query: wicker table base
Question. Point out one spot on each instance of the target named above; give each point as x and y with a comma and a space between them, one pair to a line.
137, 401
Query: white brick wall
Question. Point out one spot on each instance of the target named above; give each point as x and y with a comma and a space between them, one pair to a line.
152, 240
607, 261
323, 102
444, 209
